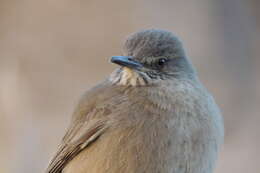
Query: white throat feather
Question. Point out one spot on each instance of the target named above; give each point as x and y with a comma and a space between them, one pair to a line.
127, 77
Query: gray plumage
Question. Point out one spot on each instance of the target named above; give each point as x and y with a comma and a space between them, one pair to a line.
152, 115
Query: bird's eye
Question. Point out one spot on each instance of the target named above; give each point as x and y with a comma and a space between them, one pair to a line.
162, 61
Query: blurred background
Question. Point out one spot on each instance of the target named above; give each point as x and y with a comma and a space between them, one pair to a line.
51, 51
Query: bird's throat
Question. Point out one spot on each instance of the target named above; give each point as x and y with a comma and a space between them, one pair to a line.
127, 77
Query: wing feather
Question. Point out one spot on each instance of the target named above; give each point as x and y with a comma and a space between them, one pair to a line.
68, 151
88, 124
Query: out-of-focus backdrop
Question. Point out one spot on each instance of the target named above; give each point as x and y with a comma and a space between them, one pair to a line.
52, 51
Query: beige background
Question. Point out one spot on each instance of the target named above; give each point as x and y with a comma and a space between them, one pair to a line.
51, 51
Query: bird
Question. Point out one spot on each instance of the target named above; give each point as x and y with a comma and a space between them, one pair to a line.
150, 115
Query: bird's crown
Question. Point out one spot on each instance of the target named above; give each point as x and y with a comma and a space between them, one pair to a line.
153, 43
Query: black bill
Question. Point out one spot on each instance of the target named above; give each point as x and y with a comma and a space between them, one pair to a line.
126, 61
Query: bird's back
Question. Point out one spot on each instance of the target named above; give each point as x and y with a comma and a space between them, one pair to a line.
142, 136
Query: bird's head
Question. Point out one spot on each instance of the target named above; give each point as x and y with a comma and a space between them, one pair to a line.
151, 56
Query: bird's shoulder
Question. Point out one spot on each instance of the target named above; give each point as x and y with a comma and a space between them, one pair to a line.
88, 122
94, 105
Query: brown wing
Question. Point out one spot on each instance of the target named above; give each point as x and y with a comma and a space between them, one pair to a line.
68, 151
88, 123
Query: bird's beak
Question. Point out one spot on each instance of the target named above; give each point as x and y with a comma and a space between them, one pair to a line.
126, 61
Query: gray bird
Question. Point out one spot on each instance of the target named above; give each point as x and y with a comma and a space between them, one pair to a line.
151, 115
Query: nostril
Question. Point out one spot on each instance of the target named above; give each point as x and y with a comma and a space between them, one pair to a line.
130, 59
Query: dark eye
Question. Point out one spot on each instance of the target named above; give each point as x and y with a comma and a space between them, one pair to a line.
162, 61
